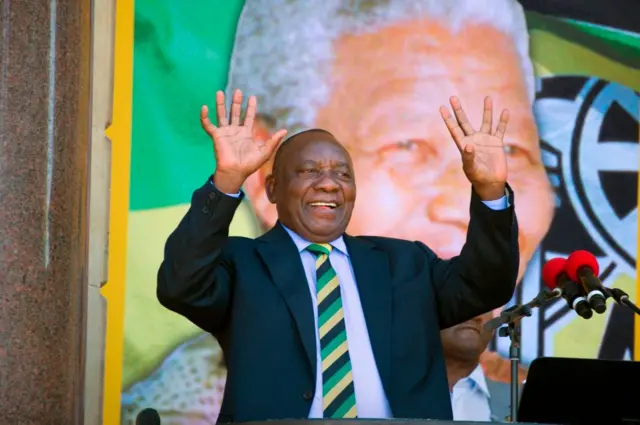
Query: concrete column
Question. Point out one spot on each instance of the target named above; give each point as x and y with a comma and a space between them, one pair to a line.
103, 38
45, 48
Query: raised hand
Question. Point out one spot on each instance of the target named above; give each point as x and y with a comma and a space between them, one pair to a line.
238, 154
484, 160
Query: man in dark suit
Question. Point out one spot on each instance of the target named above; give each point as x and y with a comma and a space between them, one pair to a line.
316, 323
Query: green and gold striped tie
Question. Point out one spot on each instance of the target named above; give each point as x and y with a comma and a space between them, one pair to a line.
338, 394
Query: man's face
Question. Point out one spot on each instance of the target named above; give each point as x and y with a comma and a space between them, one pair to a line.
313, 187
409, 170
467, 340
386, 88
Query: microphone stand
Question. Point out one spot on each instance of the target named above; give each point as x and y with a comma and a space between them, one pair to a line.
622, 298
513, 331
511, 318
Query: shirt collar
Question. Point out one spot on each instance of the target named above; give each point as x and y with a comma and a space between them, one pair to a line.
302, 243
478, 378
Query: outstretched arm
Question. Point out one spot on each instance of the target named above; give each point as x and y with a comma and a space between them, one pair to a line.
484, 275
196, 279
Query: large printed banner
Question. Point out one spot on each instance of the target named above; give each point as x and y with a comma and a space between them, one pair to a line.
374, 73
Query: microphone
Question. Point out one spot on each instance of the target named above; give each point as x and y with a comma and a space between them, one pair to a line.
582, 267
554, 277
148, 417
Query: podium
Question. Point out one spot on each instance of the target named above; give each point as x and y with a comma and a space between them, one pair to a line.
373, 422
558, 391
581, 392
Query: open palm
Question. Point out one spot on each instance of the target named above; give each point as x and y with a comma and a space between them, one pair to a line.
236, 150
484, 159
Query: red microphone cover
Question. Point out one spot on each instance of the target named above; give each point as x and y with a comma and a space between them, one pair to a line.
552, 270
580, 259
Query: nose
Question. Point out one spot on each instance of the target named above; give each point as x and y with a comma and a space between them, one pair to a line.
450, 204
327, 183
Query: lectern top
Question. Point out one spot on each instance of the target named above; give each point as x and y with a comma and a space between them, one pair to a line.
581, 391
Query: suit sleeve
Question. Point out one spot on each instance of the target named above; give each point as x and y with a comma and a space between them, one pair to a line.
195, 278
483, 277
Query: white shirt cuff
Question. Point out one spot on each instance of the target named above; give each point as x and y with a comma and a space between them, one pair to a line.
233, 195
499, 204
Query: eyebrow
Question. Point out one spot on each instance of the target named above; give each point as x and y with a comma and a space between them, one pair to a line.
337, 164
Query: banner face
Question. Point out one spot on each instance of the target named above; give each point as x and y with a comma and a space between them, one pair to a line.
375, 76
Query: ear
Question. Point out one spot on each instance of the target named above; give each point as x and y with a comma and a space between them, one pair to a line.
255, 186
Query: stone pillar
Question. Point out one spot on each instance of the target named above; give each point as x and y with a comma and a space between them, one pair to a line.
44, 129
103, 45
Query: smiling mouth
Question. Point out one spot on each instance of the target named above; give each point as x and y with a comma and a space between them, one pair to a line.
323, 205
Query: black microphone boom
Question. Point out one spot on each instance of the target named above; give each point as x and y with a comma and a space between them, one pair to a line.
622, 298
519, 311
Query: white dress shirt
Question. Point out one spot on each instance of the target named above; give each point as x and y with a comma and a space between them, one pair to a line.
470, 398
371, 400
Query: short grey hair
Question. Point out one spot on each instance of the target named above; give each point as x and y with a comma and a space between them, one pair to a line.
283, 49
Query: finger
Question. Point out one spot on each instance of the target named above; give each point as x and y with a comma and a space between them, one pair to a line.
221, 109
252, 106
273, 142
487, 116
236, 107
502, 124
461, 117
205, 122
452, 125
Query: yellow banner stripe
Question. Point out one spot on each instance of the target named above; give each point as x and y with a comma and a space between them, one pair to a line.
335, 355
337, 389
573, 59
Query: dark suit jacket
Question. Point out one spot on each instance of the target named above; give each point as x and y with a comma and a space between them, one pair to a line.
252, 295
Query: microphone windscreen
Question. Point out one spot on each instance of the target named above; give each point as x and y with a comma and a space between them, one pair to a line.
148, 417
551, 271
580, 259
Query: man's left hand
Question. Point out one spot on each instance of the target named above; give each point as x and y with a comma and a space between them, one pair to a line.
484, 159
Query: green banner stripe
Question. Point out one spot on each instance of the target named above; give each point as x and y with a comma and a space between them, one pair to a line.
612, 34
625, 54
181, 57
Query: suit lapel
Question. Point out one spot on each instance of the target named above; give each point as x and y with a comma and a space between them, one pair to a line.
373, 278
282, 259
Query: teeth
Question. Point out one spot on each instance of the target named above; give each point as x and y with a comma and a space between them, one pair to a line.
324, 204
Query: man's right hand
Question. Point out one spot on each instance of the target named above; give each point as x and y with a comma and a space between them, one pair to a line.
238, 154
